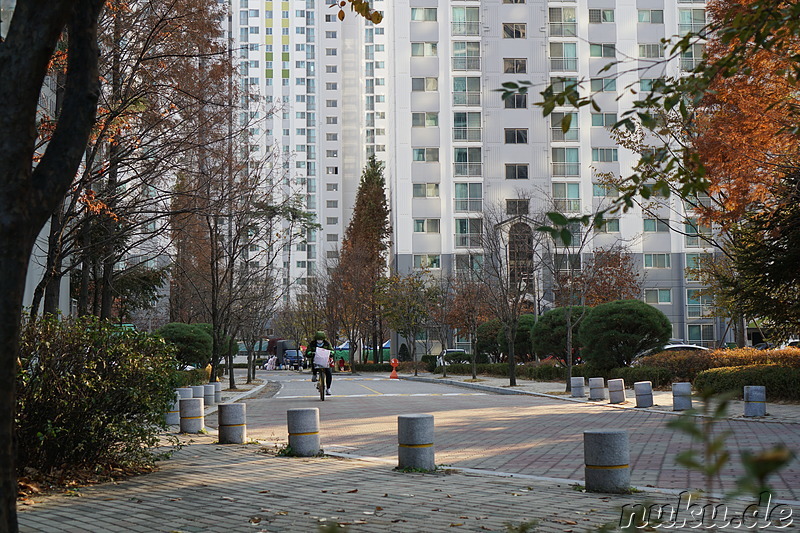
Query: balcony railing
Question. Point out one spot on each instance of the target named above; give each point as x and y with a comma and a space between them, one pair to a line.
468, 240
559, 135
567, 205
465, 28
467, 98
566, 169
466, 63
468, 205
468, 169
563, 29
564, 63
467, 134
699, 311
696, 28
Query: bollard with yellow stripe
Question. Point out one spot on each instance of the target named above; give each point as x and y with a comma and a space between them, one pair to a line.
606, 457
232, 423
755, 400
303, 425
415, 442
173, 416
192, 418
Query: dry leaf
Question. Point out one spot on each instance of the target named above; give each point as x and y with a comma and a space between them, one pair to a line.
352, 491
255, 520
486, 528
378, 508
459, 524
227, 498
263, 491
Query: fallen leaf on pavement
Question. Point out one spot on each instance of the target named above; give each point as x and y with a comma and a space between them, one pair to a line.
263, 491
396, 520
486, 528
378, 508
352, 491
458, 524
255, 520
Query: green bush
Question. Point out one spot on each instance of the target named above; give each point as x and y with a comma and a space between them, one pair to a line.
90, 394
686, 365
614, 332
549, 335
780, 381
522, 344
486, 369
187, 378
193, 342
372, 367
428, 362
631, 374
486, 341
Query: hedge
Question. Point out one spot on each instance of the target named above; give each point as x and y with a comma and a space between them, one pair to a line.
780, 381
686, 365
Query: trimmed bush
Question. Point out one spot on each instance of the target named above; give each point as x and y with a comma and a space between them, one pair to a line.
379, 367
549, 334
780, 381
486, 342
614, 332
186, 378
522, 344
90, 394
631, 374
193, 342
686, 365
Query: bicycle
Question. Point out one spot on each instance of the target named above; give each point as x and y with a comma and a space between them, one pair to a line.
321, 377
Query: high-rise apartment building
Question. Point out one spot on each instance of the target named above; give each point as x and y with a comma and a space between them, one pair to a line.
420, 92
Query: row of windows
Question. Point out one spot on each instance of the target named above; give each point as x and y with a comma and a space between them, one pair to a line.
566, 158
563, 56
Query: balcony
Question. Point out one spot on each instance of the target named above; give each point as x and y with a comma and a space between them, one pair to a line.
468, 240
468, 205
563, 29
566, 205
468, 169
557, 134
466, 63
566, 169
560, 64
465, 28
467, 134
472, 98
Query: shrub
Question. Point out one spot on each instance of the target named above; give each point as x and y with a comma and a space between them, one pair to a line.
186, 378
614, 332
660, 377
522, 343
428, 362
486, 342
373, 367
686, 365
192, 342
90, 394
780, 381
549, 335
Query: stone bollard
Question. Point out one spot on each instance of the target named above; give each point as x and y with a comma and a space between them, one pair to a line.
578, 386
606, 458
597, 389
616, 390
644, 393
303, 431
185, 392
232, 423
415, 442
173, 416
198, 391
755, 400
681, 396
192, 420
217, 392
208, 394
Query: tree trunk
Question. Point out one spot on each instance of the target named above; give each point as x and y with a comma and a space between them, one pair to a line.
512, 358
473, 337
52, 291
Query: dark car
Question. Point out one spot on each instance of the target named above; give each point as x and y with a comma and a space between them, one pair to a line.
294, 359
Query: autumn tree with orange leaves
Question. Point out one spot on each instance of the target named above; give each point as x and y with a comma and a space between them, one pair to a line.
469, 309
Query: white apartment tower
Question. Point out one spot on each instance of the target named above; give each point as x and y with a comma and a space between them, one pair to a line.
420, 92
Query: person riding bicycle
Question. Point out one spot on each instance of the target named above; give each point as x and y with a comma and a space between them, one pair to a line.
320, 341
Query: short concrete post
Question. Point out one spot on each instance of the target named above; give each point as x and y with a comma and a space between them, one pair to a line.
681, 396
303, 431
597, 389
606, 457
755, 400
198, 391
192, 420
173, 414
208, 394
644, 393
578, 386
415, 442
616, 391
185, 392
217, 392
232, 418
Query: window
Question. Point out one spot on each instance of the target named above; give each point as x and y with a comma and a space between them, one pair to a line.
560, 84
331, 153
468, 232
567, 197
599, 85
331, 187
466, 262
562, 22
424, 84
563, 262
563, 56
331, 220
649, 84
426, 261
426, 190
691, 20
426, 225
466, 55
602, 50
331, 86
331, 120
468, 161
466, 91
657, 261
332, 204
514, 30
466, 21
604, 190
610, 225
331, 103
330, 18
651, 16
604, 155
656, 225
423, 49
517, 207
565, 162
516, 101
692, 56
516, 135
604, 120
658, 296
698, 305
331, 237
330, 69
516, 171
467, 126
702, 334
424, 120
425, 154
468, 197
331, 136
696, 233
423, 14
515, 65
651, 50
694, 263
331, 170
597, 16
330, 51
556, 126
330, 35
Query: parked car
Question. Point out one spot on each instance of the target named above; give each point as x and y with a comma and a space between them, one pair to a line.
294, 359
